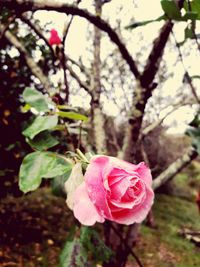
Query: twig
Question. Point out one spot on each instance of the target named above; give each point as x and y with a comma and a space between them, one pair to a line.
127, 246
80, 66
79, 81
80, 135
34, 5
155, 124
36, 70
64, 58
39, 32
6, 27
187, 76
174, 168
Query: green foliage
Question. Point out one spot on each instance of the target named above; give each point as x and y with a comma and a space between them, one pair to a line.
40, 124
72, 115
93, 242
195, 77
171, 213
171, 9
73, 253
194, 132
38, 165
84, 247
36, 99
143, 23
195, 135
58, 184
193, 7
42, 141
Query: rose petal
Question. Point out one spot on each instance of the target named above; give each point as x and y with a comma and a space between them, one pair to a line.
84, 210
138, 213
144, 173
95, 172
124, 165
75, 179
115, 175
119, 189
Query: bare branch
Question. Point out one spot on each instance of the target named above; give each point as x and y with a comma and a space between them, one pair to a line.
38, 31
80, 82
33, 5
82, 68
154, 125
153, 62
4, 28
37, 72
187, 76
174, 168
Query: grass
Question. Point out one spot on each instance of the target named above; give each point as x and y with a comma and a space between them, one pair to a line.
163, 247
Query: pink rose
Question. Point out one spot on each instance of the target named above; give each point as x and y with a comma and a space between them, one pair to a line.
54, 38
113, 189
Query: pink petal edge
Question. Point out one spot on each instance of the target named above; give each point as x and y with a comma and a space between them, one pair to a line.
84, 210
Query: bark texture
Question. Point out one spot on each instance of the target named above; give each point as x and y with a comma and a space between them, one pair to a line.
174, 168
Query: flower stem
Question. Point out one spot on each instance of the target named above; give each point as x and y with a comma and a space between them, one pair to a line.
127, 246
82, 156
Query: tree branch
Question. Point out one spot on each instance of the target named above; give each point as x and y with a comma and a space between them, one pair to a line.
33, 5
81, 83
39, 32
127, 246
154, 125
174, 168
37, 72
187, 76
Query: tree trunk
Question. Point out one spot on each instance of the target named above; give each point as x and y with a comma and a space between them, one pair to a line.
98, 120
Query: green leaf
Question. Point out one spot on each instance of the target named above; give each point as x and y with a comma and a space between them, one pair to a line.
40, 124
196, 121
190, 15
58, 184
195, 135
73, 254
72, 115
25, 108
65, 107
195, 77
195, 7
143, 23
171, 9
189, 33
38, 165
43, 141
36, 99
93, 242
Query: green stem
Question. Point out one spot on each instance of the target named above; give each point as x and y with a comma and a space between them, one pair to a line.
82, 156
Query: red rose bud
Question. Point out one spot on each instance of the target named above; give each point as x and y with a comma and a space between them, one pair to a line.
54, 38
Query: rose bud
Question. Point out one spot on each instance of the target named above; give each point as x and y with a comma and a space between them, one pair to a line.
54, 38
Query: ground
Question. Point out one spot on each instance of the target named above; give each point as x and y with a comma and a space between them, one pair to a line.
33, 229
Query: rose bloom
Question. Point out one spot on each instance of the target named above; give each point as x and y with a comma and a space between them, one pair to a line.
113, 189
54, 38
